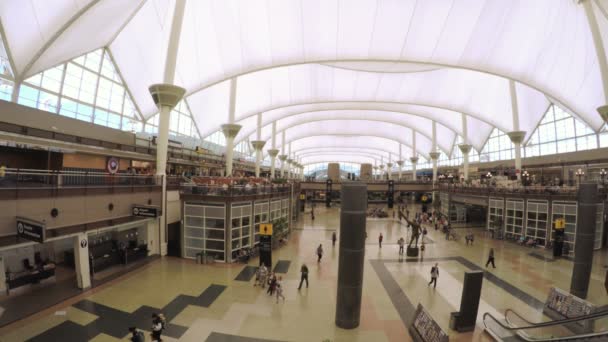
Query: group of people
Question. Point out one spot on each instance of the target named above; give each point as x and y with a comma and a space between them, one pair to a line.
275, 283
158, 325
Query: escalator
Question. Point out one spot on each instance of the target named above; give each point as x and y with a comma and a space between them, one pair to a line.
514, 327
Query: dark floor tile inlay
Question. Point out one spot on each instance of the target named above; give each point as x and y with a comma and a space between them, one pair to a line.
541, 257
400, 301
115, 322
247, 273
282, 266
406, 309
219, 337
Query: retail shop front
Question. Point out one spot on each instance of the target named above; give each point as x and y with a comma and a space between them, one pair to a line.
42, 266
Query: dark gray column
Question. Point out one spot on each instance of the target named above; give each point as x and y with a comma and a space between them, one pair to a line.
585, 234
352, 254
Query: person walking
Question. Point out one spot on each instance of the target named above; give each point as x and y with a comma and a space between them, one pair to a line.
491, 258
272, 284
279, 289
319, 252
380, 238
422, 248
158, 325
136, 335
434, 275
333, 239
401, 242
303, 275
312, 213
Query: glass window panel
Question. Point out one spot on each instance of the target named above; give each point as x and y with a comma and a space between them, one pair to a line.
6, 89
28, 96
48, 102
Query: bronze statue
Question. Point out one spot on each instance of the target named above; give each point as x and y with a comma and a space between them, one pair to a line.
415, 230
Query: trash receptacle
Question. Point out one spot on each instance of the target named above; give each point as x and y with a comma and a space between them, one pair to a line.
454, 320
199, 258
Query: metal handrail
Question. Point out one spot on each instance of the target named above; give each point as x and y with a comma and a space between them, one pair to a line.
520, 333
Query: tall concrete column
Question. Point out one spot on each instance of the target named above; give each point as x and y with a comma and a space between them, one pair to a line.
230, 132
600, 53
258, 145
289, 161
166, 96
434, 154
400, 172
585, 235
516, 135
273, 159
381, 168
375, 173
273, 152
414, 161
465, 149
283, 159
434, 157
389, 170
80, 243
231, 129
352, 254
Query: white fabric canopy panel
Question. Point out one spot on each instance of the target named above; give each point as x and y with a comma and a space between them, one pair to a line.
336, 158
483, 96
385, 130
364, 142
450, 119
380, 154
452, 55
445, 136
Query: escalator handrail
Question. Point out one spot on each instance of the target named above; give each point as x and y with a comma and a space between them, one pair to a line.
527, 337
519, 316
549, 323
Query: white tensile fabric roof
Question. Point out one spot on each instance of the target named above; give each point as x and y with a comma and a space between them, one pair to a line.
331, 68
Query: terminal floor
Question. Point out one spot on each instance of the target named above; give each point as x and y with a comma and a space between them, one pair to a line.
208, 303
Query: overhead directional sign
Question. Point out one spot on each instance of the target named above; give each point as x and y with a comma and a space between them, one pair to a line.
30, 230
265, 228
146, 211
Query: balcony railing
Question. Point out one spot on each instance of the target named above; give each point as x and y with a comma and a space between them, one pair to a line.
512, 189
45, 179
235, 190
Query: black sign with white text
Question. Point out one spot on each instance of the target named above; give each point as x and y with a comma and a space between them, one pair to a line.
145, 211
30, 231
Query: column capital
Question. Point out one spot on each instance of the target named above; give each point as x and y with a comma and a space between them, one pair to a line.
166, 95
389, 165
258, 145
289, 161
414, 160
603, 110
381, 167
273, 153
434, 155
517, 136
283, 157
231, 130
375, 168
399, 162
465, 148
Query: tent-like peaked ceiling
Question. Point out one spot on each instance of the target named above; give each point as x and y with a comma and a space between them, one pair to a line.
380, 65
